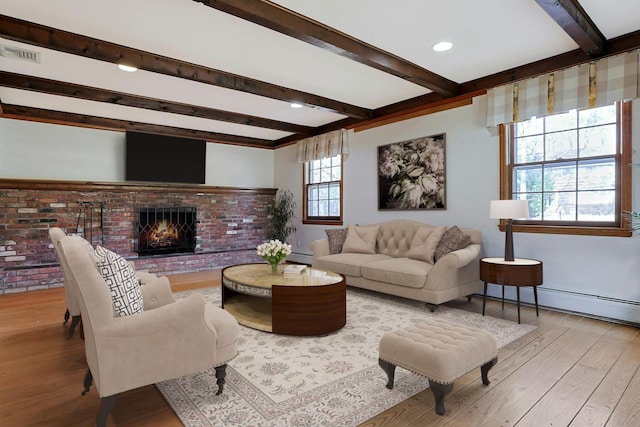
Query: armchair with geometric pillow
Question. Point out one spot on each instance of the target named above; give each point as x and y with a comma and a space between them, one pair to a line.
73, 309
139, 335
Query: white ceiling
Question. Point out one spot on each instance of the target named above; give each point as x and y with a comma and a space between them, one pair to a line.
489, 36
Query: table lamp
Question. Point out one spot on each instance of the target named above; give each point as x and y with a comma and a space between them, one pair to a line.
508, 210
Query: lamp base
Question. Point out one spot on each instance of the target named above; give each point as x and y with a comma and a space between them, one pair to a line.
508, 242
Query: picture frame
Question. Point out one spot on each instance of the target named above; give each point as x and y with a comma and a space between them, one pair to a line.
412, 174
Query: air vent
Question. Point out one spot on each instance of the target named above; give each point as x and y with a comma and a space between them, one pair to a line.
17, 53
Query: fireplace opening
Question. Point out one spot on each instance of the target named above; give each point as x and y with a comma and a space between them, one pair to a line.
165, 230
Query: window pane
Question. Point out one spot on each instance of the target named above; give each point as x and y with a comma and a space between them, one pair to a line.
334, 207
334, 190
313, 208
326, 162
313, 193
527, 179
561, 121
598, 116
597, 175
323, 191
528, 149
560, 177
315, 176
535, 204
335, 173
530, 127
560, 206
597, 205
598, 141
561, 145
323, 208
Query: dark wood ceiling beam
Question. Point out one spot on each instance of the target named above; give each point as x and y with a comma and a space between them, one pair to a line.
75, 44
575, 22
59, 117
302, 28
55, 87
613, 46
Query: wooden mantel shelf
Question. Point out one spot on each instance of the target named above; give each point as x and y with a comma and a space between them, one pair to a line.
38, 184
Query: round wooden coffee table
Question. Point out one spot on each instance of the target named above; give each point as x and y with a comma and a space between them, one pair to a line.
313, 302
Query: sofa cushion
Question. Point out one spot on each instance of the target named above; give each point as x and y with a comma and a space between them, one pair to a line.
398, 271
124, 286
452, 240
425, 242
348, 264
361, 239
336, 237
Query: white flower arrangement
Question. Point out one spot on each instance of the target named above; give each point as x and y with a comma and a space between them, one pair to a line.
274, 251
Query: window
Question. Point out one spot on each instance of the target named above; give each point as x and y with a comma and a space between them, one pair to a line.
323, 191
573, 168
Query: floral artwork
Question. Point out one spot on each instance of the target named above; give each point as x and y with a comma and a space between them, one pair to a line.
411, 174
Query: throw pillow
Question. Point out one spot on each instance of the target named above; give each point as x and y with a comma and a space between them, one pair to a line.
126, 295
336, 239
361, 239
424, 243
452, 240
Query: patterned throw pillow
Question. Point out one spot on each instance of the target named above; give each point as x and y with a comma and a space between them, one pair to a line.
121, 279
336, 239
361, 239
452, 240
424, 243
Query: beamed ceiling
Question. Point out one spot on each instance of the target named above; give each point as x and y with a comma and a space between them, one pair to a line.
226, 71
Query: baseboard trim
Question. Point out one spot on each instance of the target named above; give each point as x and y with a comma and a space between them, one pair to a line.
595, 306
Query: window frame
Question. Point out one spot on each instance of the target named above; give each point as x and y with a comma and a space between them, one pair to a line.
623, 182
330, 220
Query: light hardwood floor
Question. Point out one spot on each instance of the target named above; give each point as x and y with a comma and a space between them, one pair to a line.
571, 370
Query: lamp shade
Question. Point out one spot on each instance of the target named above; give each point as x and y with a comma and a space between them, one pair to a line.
509, 209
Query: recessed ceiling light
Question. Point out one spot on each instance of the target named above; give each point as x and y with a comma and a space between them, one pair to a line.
442, 46
295, 105
128, 68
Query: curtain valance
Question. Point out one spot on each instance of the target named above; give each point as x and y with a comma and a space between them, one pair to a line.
594, 84
326, 145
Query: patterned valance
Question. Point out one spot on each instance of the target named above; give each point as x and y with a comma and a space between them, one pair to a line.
326, 145
593, 84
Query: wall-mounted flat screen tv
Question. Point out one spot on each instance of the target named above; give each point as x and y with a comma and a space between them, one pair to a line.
160, 158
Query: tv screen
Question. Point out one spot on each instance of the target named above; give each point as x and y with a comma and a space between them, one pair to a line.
159, 158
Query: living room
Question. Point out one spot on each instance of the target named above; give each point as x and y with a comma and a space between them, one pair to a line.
594, 276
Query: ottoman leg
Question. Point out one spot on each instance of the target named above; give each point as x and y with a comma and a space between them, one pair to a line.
485, 370
439, 392
390, 371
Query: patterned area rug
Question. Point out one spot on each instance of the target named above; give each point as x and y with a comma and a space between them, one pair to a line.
331, 380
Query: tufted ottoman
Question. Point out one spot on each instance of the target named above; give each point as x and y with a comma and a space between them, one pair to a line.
440, 350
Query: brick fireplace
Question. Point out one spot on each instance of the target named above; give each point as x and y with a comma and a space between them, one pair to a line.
229, 224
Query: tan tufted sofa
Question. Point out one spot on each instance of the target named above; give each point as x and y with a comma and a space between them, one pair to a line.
389, 270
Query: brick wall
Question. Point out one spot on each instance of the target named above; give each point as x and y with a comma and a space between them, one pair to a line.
231, 222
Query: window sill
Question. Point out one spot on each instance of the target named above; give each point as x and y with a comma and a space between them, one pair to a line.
581, 231
322, 222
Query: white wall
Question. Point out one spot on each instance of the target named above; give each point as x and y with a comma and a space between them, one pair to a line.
596, 275
31, 150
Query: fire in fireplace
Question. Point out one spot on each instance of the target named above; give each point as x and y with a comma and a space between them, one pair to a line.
165, 230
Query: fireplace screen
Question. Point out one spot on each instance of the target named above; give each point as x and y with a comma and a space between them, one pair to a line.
165, 230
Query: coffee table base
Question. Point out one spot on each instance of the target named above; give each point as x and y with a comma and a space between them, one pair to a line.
297, 305
250, 311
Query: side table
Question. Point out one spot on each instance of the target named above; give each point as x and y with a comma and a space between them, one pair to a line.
519, 272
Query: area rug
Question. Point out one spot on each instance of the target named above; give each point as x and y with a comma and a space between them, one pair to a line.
330, 380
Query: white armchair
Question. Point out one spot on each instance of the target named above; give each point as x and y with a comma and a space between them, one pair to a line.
167, 340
